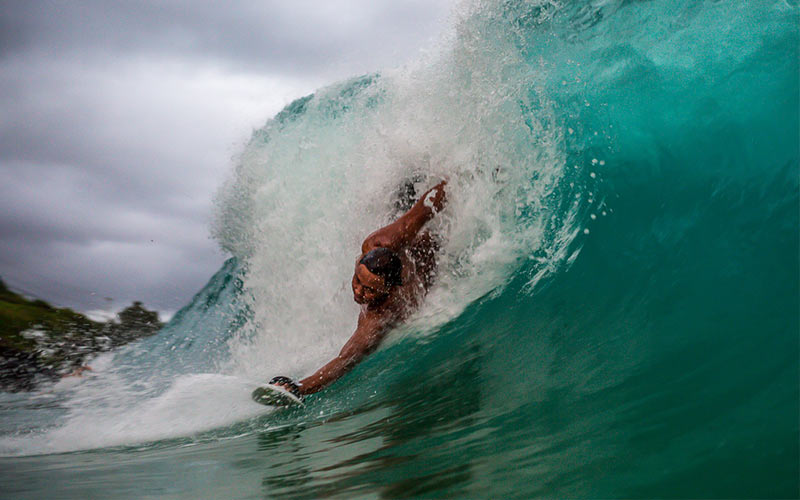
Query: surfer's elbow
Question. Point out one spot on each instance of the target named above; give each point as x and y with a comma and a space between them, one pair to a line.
354, 352
349, 358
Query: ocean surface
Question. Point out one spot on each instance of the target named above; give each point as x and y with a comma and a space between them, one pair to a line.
616, 311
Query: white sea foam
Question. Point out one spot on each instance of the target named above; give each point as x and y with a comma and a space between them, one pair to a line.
110, 416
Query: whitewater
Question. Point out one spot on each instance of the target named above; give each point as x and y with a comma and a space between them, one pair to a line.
616, 311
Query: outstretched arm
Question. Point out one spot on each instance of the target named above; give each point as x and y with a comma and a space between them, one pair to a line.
366, 338
402, 232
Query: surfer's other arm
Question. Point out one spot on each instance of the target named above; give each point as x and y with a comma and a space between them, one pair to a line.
402, 232
365, 339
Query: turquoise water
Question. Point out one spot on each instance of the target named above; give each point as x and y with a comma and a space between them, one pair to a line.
617, 308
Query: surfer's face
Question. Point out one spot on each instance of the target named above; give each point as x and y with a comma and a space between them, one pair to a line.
368, 288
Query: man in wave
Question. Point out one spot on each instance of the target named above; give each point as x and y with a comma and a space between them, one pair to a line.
394, 271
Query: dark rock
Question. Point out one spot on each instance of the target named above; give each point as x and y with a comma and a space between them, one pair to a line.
39, 342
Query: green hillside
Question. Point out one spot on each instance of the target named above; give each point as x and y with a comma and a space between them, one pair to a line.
40, 342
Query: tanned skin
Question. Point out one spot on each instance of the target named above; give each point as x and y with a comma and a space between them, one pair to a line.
382, 307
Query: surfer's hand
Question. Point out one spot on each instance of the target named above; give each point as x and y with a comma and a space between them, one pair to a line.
288, 384
435, 197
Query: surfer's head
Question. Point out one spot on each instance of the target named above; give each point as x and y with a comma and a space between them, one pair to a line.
377, 272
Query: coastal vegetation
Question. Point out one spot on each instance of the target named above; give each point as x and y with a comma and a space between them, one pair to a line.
40, 342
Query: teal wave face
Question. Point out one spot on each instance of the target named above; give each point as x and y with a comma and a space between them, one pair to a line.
662, 359
617, 311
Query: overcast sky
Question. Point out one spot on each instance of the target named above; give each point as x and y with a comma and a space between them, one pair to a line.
118, 121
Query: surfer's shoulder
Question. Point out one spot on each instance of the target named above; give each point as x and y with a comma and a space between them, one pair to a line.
383, 316
378, 239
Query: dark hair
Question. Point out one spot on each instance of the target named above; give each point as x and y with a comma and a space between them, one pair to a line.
384, 263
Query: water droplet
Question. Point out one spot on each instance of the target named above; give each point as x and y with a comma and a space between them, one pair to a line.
592, 175
593, 216
586, 231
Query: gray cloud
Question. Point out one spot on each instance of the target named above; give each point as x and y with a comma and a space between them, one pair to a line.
118, 120
298, 38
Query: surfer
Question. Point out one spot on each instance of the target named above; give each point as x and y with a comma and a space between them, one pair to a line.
394, 271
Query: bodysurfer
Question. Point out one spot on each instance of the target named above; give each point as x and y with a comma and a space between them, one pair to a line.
393, 273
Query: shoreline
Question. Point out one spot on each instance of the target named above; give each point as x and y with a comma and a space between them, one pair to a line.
40, 342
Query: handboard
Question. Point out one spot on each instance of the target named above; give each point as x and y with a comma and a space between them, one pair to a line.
273, 395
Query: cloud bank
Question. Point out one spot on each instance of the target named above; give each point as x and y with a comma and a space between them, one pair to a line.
119, 121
